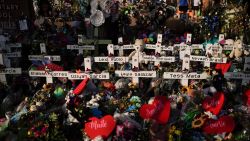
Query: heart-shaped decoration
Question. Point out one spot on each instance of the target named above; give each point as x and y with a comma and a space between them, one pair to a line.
246, 97
223, 67
223, 124
214, 104
100, 127
159, 110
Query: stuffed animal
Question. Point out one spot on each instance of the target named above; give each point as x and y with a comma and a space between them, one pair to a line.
237, 50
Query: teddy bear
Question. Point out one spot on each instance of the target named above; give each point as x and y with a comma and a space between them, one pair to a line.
237, 50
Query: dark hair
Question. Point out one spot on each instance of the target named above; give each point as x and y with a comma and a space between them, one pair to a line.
42, 3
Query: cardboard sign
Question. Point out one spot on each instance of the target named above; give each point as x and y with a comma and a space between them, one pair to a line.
139, 74
207, 59
100, 127
214, 104
159, 59
180, 75
159, 110
11, 71
213, 50
80, 76
12, 55
111, 59
224, 124
110, 48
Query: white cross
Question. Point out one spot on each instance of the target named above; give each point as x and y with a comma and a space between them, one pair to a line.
111, 59
5, 71
185, 53
158, 48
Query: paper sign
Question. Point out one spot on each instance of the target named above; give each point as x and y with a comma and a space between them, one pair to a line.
180, 75
87, 64
110, 48
160, 59
49, 79
43, 48
12, 55
111, 59
189, 38
207, 59
11, 71
145, 74
120, 40
213, 50
23, 24
221, 37
80, 76
159, 39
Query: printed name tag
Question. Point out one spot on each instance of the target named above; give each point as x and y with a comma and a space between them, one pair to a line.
12, 55
236, 75
111, 59
79, 76
206, 59
160, 59
11, 71
180, 75
146, 74
47, 74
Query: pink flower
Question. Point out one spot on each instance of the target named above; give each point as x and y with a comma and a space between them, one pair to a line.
37, 134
